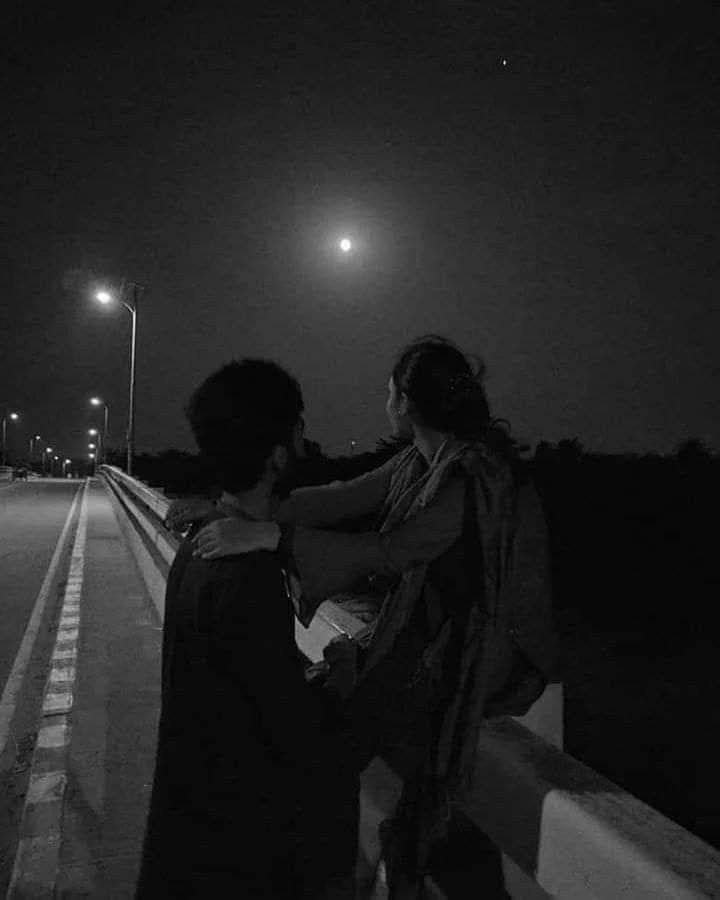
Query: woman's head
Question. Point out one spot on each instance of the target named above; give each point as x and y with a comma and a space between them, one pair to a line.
433, 385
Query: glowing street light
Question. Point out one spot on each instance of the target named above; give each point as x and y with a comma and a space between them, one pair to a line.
98, 401
13, 416
66, 463
105, 297
345, 245
32, 444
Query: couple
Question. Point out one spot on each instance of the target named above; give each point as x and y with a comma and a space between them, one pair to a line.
256, 783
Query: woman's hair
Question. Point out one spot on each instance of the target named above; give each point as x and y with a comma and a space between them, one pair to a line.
448, 394
239, 414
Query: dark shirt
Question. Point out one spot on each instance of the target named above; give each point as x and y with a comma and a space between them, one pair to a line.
246, 748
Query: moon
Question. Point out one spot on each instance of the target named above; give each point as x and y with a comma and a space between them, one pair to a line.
345, 245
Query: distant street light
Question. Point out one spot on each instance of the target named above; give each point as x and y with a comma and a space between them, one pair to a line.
46, 452
32, 444
13, 416
106, 297
66, 463
98, 401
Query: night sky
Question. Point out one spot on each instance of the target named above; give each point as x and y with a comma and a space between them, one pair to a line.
536, 180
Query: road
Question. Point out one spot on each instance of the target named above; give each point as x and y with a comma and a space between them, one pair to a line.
33, 565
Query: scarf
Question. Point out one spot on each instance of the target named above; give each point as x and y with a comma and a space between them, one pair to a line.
449, 769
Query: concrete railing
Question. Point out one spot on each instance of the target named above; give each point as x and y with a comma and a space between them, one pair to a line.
564, 830
6, 473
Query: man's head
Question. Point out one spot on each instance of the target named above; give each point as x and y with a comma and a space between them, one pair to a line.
247, 422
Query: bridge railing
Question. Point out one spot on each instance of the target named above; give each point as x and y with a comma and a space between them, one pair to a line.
564, 830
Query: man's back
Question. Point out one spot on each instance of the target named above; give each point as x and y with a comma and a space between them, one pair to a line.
242, 742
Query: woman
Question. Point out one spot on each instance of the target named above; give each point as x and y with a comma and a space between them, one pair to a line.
443, 543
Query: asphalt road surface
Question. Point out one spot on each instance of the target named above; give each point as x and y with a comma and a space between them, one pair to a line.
34, 516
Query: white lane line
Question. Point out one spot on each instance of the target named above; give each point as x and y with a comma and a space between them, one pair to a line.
36, 861
17, 673
61, 680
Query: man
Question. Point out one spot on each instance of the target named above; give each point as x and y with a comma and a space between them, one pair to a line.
249, 797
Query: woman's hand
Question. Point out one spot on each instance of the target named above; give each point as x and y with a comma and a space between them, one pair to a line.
230, 537
183, 511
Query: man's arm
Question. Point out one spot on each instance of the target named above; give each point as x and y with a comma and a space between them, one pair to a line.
327, 504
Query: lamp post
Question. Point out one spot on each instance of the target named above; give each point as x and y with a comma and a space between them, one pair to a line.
91, 457
66, 463
132, 308
13, 416
98, 401
32, 446
46, 451
54, 460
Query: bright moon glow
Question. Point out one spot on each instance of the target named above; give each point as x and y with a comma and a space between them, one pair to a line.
103, 296
345, 245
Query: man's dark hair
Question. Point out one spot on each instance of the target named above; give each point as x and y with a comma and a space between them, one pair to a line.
239, 414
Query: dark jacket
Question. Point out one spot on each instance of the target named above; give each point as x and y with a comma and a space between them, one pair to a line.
249, 756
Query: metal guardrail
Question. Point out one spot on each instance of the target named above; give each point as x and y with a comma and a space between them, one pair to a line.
565, 831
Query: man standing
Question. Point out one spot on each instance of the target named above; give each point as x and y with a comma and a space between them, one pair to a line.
249, 797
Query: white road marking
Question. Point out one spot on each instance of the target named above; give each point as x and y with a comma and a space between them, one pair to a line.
36, 860
52, 736
8, 702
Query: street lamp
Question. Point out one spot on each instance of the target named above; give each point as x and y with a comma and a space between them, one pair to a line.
98, 401
46, 451
66, 463
105, 297
91, 457
94, 433
32, 445
13, 416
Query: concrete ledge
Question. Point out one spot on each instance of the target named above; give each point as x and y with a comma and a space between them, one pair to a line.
577, 833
